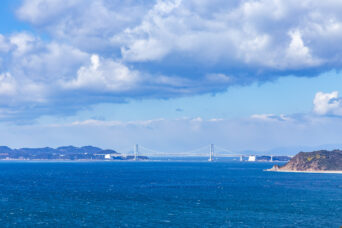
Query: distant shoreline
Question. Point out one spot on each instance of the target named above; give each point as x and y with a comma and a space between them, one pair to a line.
296, 171
60, 160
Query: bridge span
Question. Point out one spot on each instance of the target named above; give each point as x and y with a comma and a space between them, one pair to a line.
211, 151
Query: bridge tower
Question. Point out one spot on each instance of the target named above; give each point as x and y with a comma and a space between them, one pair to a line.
136, 152
211, 153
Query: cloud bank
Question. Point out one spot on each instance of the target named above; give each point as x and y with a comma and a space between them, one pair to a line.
112, 51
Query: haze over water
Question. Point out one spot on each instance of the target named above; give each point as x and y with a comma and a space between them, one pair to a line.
168, 194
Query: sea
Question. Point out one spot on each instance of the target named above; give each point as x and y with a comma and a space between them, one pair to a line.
165, 194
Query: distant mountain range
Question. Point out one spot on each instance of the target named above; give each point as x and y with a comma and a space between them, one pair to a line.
62, 153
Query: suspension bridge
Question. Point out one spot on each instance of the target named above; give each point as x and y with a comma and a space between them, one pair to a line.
211, 152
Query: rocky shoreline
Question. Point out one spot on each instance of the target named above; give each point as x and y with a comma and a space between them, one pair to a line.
273, 169
322, 161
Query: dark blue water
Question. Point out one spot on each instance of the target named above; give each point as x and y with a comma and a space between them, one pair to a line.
165, 194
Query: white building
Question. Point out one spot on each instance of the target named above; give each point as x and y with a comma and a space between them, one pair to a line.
252, 158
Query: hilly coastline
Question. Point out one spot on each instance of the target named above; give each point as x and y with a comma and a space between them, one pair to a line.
62, 153
316, 161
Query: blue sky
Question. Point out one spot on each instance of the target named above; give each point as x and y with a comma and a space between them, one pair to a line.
9, 22
244, 74
286, 95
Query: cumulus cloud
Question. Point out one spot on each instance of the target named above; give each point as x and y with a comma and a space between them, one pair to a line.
18, 94
105, 75
30, 70
7, 84
31, 58
115, 78
328, 103
40, 11
50, 74
324, 105
23, 43
278, 35
242, 33
298, 52
164, 48
83, 22
4, 44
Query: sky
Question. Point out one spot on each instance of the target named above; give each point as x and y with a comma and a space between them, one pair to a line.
171, 75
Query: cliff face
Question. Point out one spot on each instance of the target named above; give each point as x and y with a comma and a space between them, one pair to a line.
314, 161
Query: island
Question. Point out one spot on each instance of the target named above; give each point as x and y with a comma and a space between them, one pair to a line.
64, 153
321, 161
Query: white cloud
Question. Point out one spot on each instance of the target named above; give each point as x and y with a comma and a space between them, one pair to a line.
39, 11
99, 123
245, 33
18, 93
164, 49
7, 84
23, 43
30, 70
152, 48
298, 52
271, 117
327, 103
4, 44
83, 21
280, 34
105, 75
47, 74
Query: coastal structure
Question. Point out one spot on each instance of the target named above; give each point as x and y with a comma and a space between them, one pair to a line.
252, 158
136, 152
211, 153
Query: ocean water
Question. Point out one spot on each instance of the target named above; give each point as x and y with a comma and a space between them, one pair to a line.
165, 194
